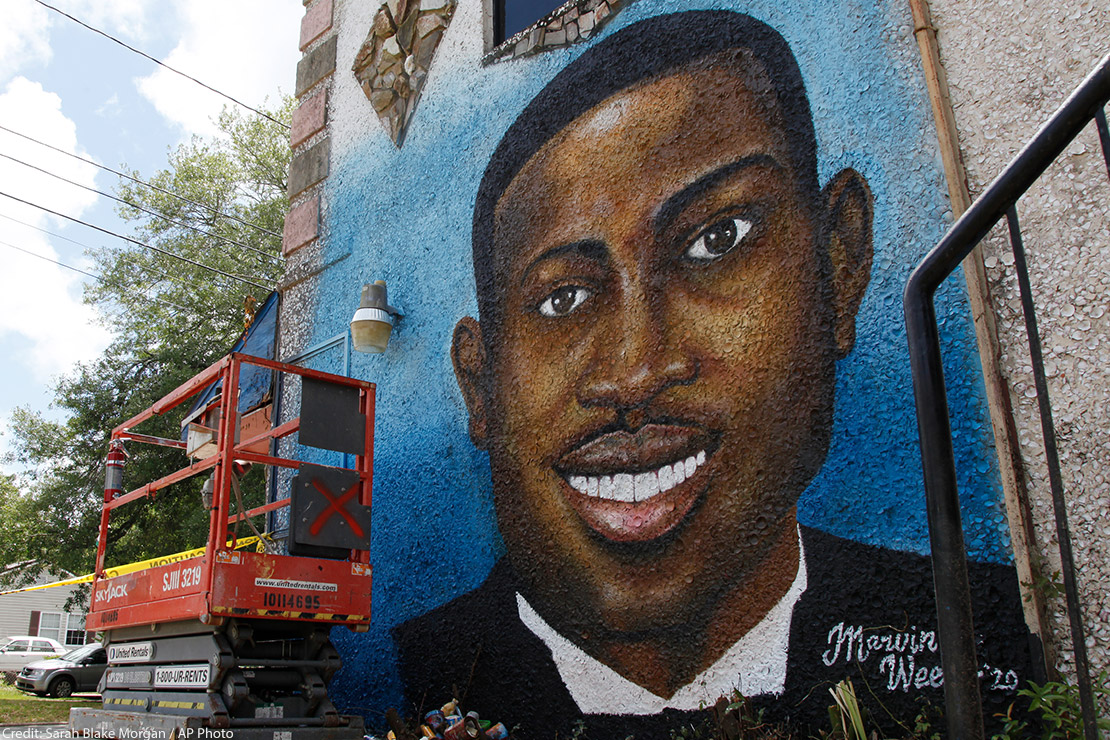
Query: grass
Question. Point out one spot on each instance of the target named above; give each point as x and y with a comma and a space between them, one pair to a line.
18, 708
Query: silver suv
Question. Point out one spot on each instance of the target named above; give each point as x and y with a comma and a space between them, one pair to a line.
77, 670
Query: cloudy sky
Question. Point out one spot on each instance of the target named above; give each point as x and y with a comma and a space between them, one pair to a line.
69, 87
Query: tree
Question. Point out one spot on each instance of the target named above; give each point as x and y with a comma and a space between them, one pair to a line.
215, 218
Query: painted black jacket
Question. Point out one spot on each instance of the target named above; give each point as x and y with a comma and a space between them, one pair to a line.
868, 613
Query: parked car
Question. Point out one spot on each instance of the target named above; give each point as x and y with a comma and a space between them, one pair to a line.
77, 670
16, 652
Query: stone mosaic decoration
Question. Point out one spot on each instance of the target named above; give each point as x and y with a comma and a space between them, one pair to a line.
393, 62
572, 22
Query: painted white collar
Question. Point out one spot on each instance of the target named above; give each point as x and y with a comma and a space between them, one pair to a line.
755, 664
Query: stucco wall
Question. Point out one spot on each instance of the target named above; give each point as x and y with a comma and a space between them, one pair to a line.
404, 214
1009, 66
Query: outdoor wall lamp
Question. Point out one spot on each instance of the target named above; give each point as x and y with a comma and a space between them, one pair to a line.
373, 321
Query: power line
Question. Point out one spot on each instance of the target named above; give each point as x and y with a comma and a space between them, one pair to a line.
56, 262
160, 62
48, 233
99, 278
161, 274
184, 224
218, 271
150, 268
136, 180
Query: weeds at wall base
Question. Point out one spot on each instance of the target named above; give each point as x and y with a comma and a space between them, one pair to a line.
1052, 710
1056, 705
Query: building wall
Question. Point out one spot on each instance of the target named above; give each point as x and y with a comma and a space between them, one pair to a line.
1006, 78
15, 609
454, 412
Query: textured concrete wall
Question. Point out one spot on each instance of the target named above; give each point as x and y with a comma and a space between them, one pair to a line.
1010, 64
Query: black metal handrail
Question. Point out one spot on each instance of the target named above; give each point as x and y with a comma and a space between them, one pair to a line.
955, 624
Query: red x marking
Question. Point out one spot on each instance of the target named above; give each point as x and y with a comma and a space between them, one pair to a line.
336, 505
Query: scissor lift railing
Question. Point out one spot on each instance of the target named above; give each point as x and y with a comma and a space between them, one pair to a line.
224, 581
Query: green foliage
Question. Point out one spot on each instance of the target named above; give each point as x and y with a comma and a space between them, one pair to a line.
845, 714
732, 718
1051, 585
926, 722
1056, 705
170, 319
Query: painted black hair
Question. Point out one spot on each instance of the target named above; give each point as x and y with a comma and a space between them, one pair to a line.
647, 49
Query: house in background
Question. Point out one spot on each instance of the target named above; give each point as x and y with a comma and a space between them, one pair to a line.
41, 612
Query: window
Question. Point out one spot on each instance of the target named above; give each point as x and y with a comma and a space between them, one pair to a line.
75, 630
513, 16
50, 625
41, 646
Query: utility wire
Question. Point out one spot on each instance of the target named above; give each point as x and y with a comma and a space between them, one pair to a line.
165, 303
218, 271
56, 262
160, 62
136, 180
274, 258
149, 268
44, 231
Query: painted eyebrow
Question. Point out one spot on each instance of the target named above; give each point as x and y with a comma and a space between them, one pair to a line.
588, 248
677, 202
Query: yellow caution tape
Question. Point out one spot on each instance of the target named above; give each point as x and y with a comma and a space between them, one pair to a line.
120, 570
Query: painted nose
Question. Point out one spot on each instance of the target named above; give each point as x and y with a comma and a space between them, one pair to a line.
638, 355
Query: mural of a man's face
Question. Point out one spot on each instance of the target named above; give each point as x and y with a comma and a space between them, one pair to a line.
657, 388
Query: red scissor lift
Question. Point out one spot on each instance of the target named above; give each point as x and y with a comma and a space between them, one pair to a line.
234, 640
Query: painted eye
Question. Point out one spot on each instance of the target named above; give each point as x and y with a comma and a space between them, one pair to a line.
718, 239
563, 300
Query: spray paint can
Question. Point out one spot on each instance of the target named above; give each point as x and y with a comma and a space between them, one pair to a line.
498, 732
436, 720
465, 729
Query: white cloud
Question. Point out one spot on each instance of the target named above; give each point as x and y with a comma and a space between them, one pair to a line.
118, 17
27, 26
110, 107
40, 301
24, 37
246, 49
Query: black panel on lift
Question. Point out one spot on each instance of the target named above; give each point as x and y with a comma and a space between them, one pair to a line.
328, 520
330, 418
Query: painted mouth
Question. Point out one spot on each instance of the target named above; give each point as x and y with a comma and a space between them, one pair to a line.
634, 487
637, 486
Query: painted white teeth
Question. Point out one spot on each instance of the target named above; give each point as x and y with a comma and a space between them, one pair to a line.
624, 491
629, 487
646, 485
605, 487
666, 478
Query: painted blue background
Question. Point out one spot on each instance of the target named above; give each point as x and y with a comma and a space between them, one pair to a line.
404, 216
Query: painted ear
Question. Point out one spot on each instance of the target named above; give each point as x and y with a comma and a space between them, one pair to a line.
468, 356
848, 216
